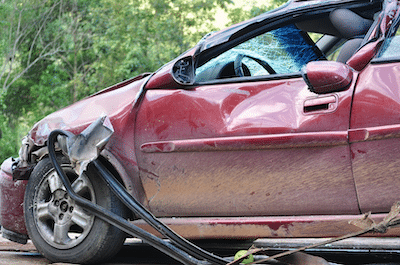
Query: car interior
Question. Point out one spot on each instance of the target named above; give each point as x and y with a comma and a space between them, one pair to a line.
343, 32
343, 28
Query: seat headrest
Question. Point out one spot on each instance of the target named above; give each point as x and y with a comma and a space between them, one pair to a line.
349, 24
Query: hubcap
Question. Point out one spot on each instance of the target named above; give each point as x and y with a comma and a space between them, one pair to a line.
61, 222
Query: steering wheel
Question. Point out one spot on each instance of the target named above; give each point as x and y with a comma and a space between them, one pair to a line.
238, 65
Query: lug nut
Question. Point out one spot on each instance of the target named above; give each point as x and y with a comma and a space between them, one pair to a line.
64, 206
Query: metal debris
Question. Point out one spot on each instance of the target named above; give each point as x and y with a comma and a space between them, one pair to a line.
86, 146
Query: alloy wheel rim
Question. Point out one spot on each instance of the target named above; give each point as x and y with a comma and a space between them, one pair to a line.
60, 222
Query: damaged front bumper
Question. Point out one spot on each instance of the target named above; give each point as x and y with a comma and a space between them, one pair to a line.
11, 204
14, 175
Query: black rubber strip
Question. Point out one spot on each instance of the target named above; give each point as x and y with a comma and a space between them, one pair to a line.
116, 220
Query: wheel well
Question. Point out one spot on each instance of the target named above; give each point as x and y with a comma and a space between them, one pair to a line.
111, 168
115, 173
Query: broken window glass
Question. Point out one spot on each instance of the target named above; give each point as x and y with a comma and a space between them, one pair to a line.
285, 50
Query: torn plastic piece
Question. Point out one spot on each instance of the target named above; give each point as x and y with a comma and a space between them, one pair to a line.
86, 146
21, 173
26, 147
21, 168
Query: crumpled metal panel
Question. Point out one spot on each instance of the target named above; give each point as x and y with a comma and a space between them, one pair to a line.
86, 146
116, 104
215, 144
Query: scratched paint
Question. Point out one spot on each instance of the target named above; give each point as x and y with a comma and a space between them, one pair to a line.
210, 146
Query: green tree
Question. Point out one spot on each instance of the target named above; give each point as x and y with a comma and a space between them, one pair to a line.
55, 52
140, 36
28, 42
64, 80
23, 34
237, 15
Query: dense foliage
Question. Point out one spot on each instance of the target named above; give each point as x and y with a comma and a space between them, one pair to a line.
55, 52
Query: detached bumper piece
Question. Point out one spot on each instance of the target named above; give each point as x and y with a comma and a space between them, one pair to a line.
14, 236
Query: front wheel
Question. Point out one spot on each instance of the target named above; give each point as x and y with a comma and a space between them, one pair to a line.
62, 230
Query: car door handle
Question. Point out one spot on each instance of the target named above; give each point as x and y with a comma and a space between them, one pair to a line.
316, 105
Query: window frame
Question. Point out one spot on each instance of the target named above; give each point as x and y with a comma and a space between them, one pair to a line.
391, 59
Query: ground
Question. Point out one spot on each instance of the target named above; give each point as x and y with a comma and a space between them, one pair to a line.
352, 252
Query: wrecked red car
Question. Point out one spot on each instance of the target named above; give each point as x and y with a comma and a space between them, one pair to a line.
286, 125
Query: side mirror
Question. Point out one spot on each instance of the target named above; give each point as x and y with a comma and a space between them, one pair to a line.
323, 77
175, 74
183, 71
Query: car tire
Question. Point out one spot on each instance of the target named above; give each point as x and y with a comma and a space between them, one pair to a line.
62, 230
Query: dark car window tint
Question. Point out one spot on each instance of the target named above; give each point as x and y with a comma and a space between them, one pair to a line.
286, 50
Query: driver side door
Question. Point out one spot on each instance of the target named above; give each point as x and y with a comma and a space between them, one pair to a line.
256, 144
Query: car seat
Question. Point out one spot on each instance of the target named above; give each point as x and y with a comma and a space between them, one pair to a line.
351, 26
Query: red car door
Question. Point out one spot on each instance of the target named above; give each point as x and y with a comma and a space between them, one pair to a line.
375, 128
257, 145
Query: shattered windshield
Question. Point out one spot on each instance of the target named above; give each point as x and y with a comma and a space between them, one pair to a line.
285, 50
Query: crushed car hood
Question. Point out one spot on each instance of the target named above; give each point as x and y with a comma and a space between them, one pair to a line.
116, 102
